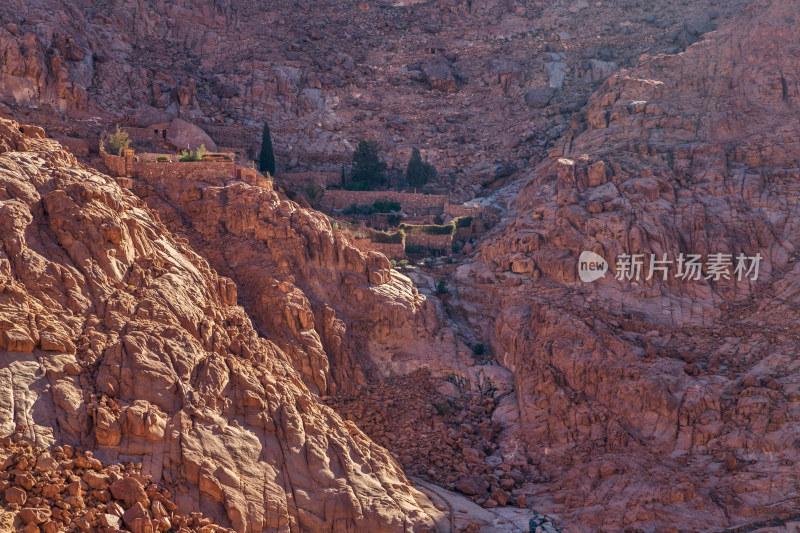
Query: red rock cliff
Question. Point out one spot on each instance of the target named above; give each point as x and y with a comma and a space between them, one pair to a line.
116, 336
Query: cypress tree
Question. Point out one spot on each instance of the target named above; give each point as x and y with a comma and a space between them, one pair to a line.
267, 157
368, 169
419, 172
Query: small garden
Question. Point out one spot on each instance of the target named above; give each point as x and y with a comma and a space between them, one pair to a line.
437, 229
382, 237
378, 206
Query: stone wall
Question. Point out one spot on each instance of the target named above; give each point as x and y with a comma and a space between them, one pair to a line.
413, 204
458, 210
220, 172
194, 170
153, 134
422, 220
243, 139
252, 176
116, 165
391, 251
471, 231
441, 243
298, 181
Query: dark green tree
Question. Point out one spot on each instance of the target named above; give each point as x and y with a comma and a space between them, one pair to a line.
419, 172
368, 169
266, 161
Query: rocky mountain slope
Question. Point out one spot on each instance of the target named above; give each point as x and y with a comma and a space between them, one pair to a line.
482, 88
116, 336
660, 403
67, 488
340, 314
622, 127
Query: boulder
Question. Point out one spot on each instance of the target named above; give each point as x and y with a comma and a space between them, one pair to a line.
507, 73
439, 76
137, 518
500, 496
15, 495
539, 97
129, 490
600, 70
472, 486
185, 135
557, 73
311, 99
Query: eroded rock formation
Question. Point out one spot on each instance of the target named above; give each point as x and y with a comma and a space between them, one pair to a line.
339, 313
447, 77
116, 336
660, 403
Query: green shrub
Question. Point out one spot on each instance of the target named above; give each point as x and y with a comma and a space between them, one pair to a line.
414, 249
441, 287
428, 262
485, 386
442, 408
463, 222
314, 192
478, 349
393, 263
382, 237
358, 186
356, 209
163, 158
393, 220
386, 206
403, 263
419, 172
429, 229
188, 156
368, 169
456, 247
119, 141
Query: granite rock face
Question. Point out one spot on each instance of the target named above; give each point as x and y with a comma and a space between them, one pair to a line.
327, 74
651, 404
117, 337
186, 136
660, 402
341, 315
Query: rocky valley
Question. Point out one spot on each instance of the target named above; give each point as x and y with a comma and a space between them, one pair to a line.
189, 344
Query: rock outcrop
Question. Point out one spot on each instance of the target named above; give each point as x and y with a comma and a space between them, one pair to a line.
117, 337
655, 404
660, 403
330, 74
340, 314
186, 136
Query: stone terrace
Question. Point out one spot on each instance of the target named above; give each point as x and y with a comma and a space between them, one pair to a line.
414, 204
221, 171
